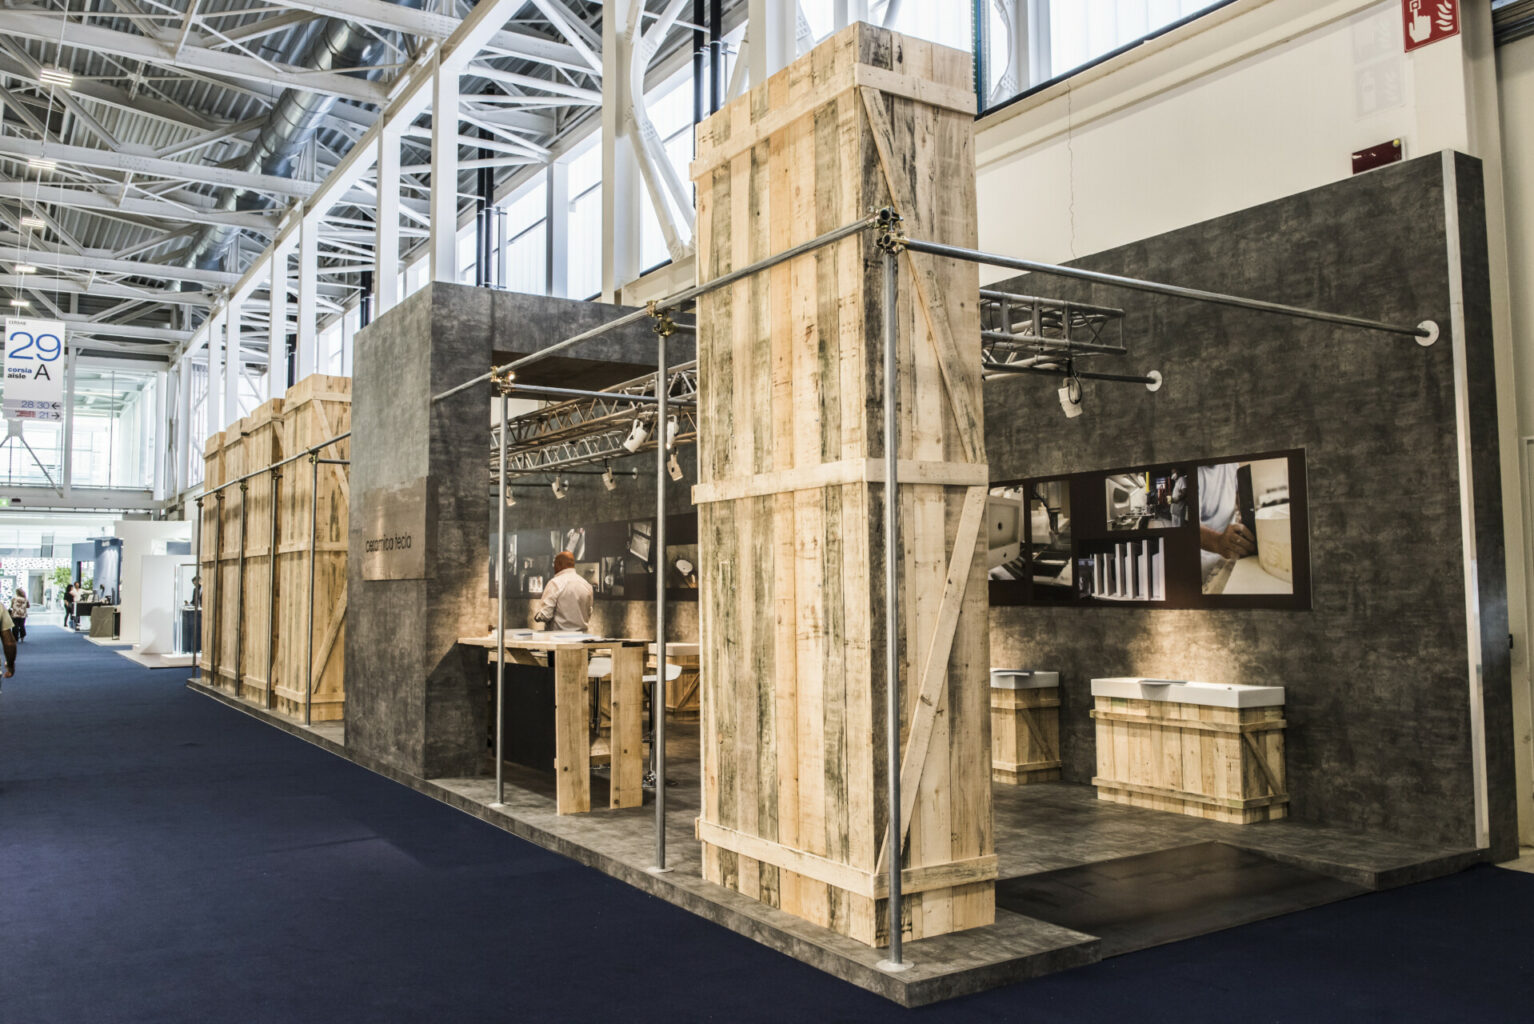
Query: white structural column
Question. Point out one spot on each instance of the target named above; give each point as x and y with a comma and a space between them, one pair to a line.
556, 233
233, 362
73, 360
164, 382
213, 404
386, 242
444, 174
621, 181
770, 37
183, 423
277, 330
307, 357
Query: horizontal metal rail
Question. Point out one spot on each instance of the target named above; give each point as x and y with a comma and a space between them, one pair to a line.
1108, 312
278, 465
671, 302
1426, 329
1126, 378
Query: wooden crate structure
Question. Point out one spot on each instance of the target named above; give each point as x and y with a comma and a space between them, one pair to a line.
791, 520
314, 410
1225, 764
209, 532
263, 446
1025, 733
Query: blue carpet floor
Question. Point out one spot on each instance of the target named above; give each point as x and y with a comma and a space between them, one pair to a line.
164, 858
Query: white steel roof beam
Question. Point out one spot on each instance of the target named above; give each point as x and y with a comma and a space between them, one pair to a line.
136, 162
162, 209
96, 261
158, 46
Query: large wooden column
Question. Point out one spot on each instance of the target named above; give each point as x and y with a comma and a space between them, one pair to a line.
790, 491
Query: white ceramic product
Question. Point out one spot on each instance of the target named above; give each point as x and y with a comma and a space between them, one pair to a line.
1180, 691
1022, 679
1275, 542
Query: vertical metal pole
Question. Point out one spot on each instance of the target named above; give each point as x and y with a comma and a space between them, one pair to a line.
271, 591
314, 518
658, 690
891, 606
197, 604
500, 621
218, 557
239, 595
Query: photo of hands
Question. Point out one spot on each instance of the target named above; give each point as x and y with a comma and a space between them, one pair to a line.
1245, 541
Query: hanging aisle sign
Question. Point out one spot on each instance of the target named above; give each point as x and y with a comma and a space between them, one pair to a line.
34, 369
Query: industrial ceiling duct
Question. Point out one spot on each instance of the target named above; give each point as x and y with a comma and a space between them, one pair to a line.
290, 124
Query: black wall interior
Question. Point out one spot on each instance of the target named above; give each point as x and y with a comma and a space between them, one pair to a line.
1377, 671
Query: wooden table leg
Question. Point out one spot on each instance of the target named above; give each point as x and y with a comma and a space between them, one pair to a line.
572, 741
627, 727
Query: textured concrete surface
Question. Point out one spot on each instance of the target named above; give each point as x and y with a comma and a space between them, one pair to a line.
1377, 672
414, 700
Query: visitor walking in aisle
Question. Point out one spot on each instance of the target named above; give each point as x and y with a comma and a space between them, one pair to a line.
71, 592
19, 606
8, 642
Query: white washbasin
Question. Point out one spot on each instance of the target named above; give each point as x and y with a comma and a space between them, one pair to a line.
1180, 691
1022, 679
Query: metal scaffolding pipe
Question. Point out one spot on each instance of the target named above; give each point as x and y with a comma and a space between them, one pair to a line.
616, 396
197, 546
658, 690
271, 590
314, 519
1123, 378
239, 595
670, 302
306, 453
218, 556
1427, 330
891, 607
500, 625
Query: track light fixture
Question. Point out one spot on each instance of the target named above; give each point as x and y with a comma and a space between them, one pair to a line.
511, 499
1070, 397
560, 487
638, 435
608, 480
674, 467
672, 429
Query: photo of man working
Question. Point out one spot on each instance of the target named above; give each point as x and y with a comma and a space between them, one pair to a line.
567, 598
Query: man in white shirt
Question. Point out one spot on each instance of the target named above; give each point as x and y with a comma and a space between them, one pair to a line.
8, 642
567, 599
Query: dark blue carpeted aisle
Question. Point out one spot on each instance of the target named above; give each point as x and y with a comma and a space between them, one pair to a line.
164, 858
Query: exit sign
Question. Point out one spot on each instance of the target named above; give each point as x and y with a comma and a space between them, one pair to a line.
1428, 21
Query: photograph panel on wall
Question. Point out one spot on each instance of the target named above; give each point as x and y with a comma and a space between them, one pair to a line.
1051, 561
1146, 499
1006, 539
1251, 520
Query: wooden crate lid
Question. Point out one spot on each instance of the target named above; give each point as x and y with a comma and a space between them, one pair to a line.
263, 415
860, 55
214, 445
318, 387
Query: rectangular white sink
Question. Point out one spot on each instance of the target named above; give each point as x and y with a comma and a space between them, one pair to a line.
1022, 679
1179, 691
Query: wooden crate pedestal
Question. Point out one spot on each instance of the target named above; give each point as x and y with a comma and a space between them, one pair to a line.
1225, 764
1025, 727
791, 496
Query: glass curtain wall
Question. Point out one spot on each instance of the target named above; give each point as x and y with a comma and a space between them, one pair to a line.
114, 428
525, 256
584, 245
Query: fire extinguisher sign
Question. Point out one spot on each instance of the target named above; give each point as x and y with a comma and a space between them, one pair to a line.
1427, 21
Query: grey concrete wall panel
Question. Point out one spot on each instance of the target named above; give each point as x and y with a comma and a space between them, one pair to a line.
1376, 674
414, 700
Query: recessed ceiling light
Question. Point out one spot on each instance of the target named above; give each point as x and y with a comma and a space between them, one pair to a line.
33, 222
20, 303
25, 268
56, 76
39, 164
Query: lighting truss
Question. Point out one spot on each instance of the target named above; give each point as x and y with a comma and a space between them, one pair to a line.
589, 430
1039, 331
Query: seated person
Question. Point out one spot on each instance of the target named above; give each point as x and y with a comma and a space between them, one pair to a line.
567, 599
